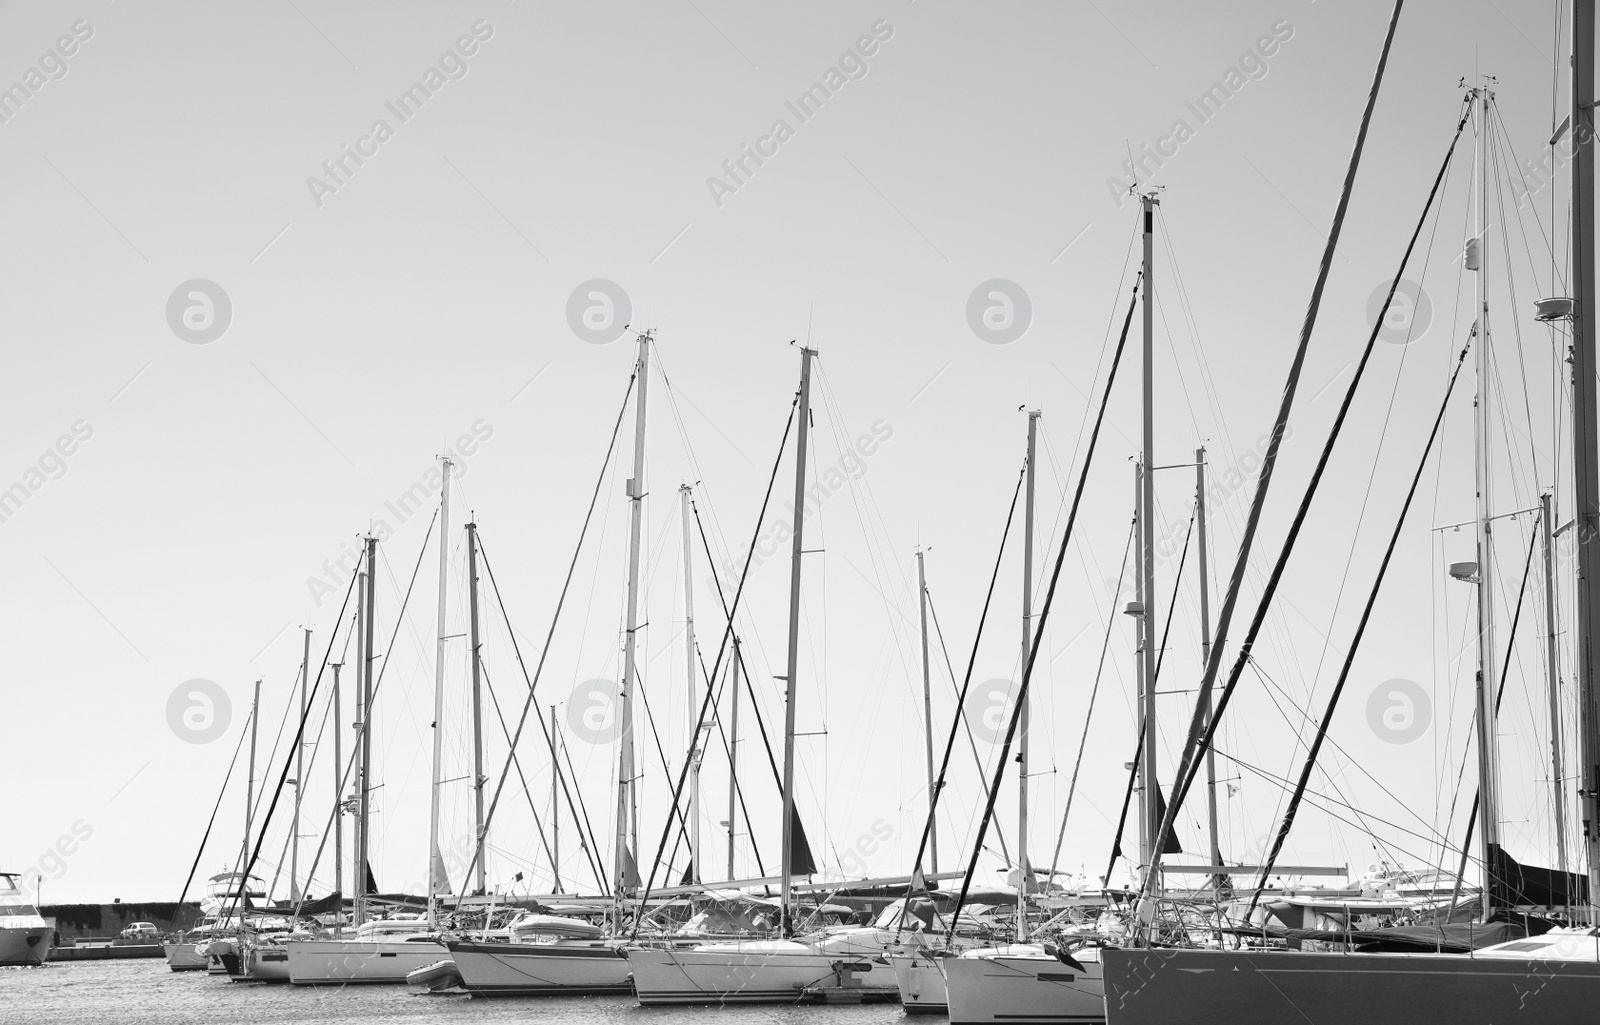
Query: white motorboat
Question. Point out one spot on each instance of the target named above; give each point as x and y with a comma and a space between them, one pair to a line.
1021, 982
25, 937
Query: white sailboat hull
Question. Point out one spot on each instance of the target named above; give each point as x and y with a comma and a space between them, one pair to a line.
1024, 987
758, 973
266, 964
921, 983
336, 962
533, 969
1257, 987
181, 957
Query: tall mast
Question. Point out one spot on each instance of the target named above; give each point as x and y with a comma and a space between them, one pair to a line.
338, 804
555, 803
1147, 546
1024, 867
927, 716
1205, 648
691, 704
1586, 468
1553, 678
249, 796
733, 754
480, 828
299, 774
797, 550
627, 807
1488, 777
364, 728
1141, 654
435, 865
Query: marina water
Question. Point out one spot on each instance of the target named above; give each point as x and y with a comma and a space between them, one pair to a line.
145, 992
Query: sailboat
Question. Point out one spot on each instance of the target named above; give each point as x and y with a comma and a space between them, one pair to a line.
560, 956
1549, 978
789, 968
387, 950
1039, 981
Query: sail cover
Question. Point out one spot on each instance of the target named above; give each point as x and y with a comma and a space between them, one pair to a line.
1513, 884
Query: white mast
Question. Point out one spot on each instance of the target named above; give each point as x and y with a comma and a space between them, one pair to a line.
364, 728
627, 806
555, 803
480, 829
927, 717
1553, 678
1586, 471
1147, 559
1024, 867
299, 774
690, 691
1488, 776
249, 797
338, 802
435, 867
797, 550
1205, 649
733, 754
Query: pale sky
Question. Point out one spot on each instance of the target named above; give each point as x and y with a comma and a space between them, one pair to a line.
179, 532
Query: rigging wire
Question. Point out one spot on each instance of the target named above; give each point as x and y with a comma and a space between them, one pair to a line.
1361, 629
1201, 731
1044, 617
1083, 741
560, 603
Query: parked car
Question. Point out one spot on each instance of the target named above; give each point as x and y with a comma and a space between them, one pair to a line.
141, 931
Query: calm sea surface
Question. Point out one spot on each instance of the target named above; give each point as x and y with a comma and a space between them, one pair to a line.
146, 991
